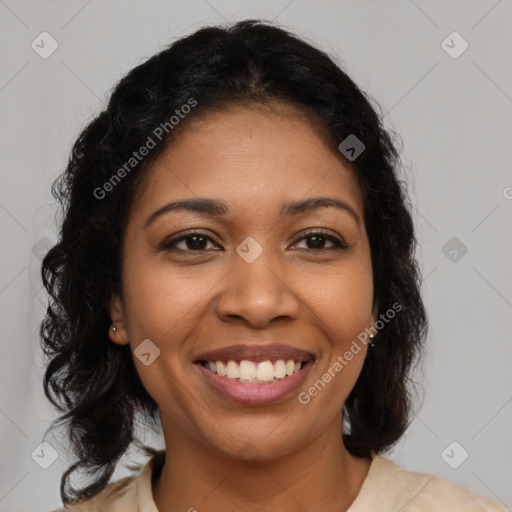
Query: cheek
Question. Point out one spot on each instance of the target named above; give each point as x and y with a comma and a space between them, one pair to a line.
343, 299
159, 298
161, 304
158, 304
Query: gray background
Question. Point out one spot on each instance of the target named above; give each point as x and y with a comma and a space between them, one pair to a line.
455, 119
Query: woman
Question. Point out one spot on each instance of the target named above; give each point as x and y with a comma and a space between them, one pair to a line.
236, 265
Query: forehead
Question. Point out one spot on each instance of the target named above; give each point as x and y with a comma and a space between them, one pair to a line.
251, 157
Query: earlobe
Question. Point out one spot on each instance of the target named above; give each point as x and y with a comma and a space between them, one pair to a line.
117, 331
118, 334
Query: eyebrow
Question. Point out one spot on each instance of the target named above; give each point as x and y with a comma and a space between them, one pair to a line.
217, 208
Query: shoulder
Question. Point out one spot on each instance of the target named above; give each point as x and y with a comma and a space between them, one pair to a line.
129, 494
119, 495
389, 486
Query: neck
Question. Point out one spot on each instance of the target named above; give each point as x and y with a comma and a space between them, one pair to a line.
320, 476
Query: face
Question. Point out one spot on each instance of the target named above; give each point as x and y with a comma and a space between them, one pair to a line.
255, 284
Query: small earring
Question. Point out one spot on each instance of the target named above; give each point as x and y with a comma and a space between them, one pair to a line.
114, 328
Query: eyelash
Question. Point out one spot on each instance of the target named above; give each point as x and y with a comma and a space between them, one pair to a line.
170, 244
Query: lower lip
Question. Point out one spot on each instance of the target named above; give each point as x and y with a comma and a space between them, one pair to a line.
255, 394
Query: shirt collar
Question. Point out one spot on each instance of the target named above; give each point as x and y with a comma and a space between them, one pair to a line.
153, 467
145, 480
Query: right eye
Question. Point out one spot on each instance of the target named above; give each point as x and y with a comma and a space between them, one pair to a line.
194, 241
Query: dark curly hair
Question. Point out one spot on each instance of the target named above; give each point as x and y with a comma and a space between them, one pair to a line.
92, 381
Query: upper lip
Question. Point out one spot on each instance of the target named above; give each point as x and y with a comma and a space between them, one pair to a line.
256, 353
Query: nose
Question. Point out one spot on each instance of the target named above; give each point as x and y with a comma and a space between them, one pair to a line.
257, 293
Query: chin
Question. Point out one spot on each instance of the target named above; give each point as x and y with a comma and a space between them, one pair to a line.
257, 447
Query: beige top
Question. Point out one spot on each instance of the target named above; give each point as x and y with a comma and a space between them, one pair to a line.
386, 488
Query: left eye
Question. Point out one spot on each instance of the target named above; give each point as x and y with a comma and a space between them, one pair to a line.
319, 239
196, 241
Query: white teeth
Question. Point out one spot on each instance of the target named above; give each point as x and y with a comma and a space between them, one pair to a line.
249, 372
265, 371
280, 369
221, 370
232, 370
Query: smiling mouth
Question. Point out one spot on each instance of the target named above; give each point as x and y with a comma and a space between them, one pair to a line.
255, 372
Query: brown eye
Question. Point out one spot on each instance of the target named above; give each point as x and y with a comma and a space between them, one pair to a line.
317, 241
198, 241
194, 241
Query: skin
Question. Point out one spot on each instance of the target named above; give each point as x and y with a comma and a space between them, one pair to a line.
222, 455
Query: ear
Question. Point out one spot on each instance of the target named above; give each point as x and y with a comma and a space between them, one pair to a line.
119, 336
